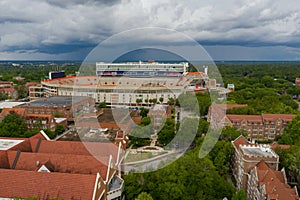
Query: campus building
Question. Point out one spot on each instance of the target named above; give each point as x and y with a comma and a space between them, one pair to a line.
260, 127
131, 84
59, 106
255, 169
217, 113
297, 82
8, 89
44, 169
266, 183
246, 156
36, 91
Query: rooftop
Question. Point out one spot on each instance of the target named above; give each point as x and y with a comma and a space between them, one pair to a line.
249, 118
274, 183
10, 104
259, 151
63, 185
6, 144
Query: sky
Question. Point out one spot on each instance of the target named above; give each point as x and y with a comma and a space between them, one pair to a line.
227, 30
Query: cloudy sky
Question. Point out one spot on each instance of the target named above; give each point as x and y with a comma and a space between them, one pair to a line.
228, 30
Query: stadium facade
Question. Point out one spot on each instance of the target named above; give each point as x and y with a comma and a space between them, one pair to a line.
132, 83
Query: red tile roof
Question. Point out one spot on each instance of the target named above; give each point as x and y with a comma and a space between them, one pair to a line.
274, 182
241, 140
48, 116
6, 111
273, 117
282, 146
249, 118
25, 184
79, 148
73, 168
63, 163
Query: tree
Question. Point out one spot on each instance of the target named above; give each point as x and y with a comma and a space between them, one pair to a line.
154, 101
221, 156
230, 133
145, 121
240, 195
290, 159
161, 99
102, 104
13, 126
21, 92
138, 101
144, 112
189, 177
291, 133
167, 133
144, 196
50, 133
59, 129
202, 127
171, 101
204, 102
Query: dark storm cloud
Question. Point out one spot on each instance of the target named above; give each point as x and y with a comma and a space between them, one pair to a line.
67, 3
61, 26
14, 20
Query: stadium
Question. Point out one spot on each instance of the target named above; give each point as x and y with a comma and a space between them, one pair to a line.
132, 83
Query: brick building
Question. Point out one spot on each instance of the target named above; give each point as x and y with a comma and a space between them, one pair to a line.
297, 82
158, 114
8, 89
246, 156
32, 120
267, 183
217, 113
60, 106
38, 167
35, 89
260, 127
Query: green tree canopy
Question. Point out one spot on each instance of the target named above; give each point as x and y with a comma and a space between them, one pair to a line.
13, 126
144, 196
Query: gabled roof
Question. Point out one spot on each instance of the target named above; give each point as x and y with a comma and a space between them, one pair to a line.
249, 118
19, 111
274, 183
63, 163
48, 116
63, 185
42, 135
273, 117
79, 148
73, 168
241, 140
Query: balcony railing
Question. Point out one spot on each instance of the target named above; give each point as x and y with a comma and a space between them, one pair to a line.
115, 188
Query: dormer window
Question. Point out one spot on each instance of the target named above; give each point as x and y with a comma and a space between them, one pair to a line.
43, 168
